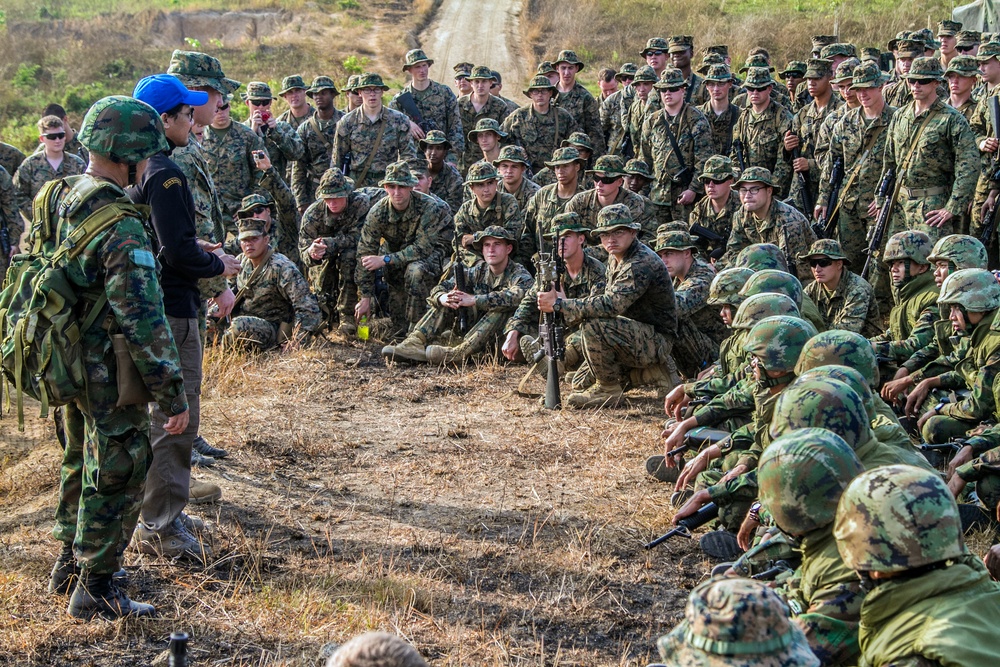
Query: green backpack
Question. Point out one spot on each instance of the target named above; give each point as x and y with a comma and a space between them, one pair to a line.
41, 310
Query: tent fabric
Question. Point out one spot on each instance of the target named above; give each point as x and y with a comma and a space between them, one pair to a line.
980, 15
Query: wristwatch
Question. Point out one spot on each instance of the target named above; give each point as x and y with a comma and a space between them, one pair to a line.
937, 408
557, 306
387, 259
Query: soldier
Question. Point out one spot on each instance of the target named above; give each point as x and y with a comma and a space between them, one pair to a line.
476, 106
897, 93
373, 136
446, 181
967, 42
433, 106
577, 100
681, 49
779, 94
947, 37
318, 134
293, 91
512, 165
274, 305
765, 219
551, 200
656, 54
609, 173
486, 136
494, 288
10, 218
718, 110
716, 209
462, 83
986, 137
497, 87
638, 177
47, 164
11, 158
845, 300
407, 235
631, 325
278, 209
72, 144
353, 96
581, 142
283, 145
640, 108
804, 135
794, 76
607, 83
612, 108
777, 281
962, 76
229, 149
487, 208
539, 127
899, 529
760, 129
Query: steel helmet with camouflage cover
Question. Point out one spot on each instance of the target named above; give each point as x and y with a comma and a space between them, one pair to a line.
840, 347
911, 244
777, 342
851, 378
725, 287
762, 256
123, 129
896, 518
822, 403
801, 477
976, 290
775, 282
757, 307
961, 251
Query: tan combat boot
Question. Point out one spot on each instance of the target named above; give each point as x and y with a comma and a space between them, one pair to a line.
657, 375
440, 355
412, 348
596, 396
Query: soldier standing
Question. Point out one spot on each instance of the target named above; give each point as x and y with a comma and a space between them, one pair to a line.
577, 100
760, 130
229, 149
719, 111
476, 106
681, 49
293, 91
613, 106
318, 134
50, 162
552, 199
434, 106
948, 38
962, 75
539, 127
804, 134
283, 145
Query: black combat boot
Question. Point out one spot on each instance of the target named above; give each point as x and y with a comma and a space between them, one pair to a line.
98, 595
65, 572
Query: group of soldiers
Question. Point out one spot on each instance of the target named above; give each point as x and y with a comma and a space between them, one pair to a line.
800, 267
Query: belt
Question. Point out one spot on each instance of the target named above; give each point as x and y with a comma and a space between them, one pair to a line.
917, 193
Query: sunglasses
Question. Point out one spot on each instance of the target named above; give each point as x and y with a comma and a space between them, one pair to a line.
607, 180
672, 89
821, 263
261, 103
55, 135
923, 82
655, 53
755, 90
224, 106
964, 49
718, 182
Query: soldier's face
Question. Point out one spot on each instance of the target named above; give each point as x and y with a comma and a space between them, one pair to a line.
254, 247
295, 97
903, 65
957, 318
617, 241
681, 59
424, 182
719, 90
676, 261
947, 44
960, 85
204, 114
571, 244
756, 197
353, 100
672, 98
553, 78
53, 138
481, 87
484, 192
656, 59
829, 274
511, 172
792, 82
567, 72
635, 183
435, 154
565, 173
464, 85
923, 90
323, 99
869, 97
420, 71
399, 195
540, 98
371, 97
607, 189
718, 189
818, 87
990, 69
496, 251
941, 271
759, 96
726, 313
607, 87
336, 205
642, 89
487, 141
221, 118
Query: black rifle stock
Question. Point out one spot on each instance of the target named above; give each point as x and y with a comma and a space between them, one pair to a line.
550, 329
687, 524
828, 223
177, 651
458, 269
805, 186
411, 109
886, 189
741, 154
345, 164
713, 244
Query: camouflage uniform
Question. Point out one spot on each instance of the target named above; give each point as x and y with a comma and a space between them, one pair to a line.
586, 114
806, 124
447, 185
721, 222
982, 128
502, 211
318, 138
545, 205
763, 135
10, 158
587, 206
229, 154
285, 214
539, 134
282, 143
722, 126
10, 218
851, 306
612, 112
494, 109
439, 108
35, 171
525, 193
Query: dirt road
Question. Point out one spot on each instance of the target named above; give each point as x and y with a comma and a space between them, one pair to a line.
483, 32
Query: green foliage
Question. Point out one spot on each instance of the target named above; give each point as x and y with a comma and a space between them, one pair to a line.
79, 98
193, 43
119, 68
3, 18
355, 65
216, 42
348, 4
26, 76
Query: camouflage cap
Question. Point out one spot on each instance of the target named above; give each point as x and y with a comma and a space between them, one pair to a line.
757, 60
493, 232
645, 74
843, 348
627, 71
257, 91
674, 240
496, 77
852, 378
481, 72
672, 226
795, 68
897, 518
200, 70
616, 216
539, 82
609, 165
867, 75
776, 342
250, 228
718, 49
481, 172
894, 42
370, 80
976, 290
334, 185
961, 251
462, 70
486, 125
565, 223
968, 38
398, 173
254, 201
655, 44
719, 74
818, 68
755, 175
871, 54
910, 244
925, 68
845, 71
290, 83
838, 49
123, 130
567, 56
579, 140
774, 281
926, 35
436, 138
822, 403
671, 77
736, 622
708, 60
512, 154
545, 67
801, 477
352, 83
638, 167
679, 43
963, 66
415, 57
948, 28
725, 287
717, 168
758, 77
909, 48
565, 155
828, 248
819, 41
987, 51
326, 83
759, 306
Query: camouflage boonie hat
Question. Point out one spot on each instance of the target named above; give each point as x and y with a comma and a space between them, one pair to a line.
369, 80
333, 185
512, 154
578, 140
614, 217
567, 56
539, 82
760, 306
758, 77
839, 347
845, 71
773, 281
759, 256
927, 36
672, 226
638, 167
250, 228
719, 74
435, 138
976, 290
415, 57
818, 68
828, 248
909, 48
963, 66
801, 477
493, 232
725, 287
948, 28
867, 75
717, 49
200, 69
462, 70
852, 378
627, 71
819, 41
894, 42
123, 129
822, 403
324, 83
679, 43
841, 49
252, 202
961, 251
480, 72
897, 518
486, 125
674, 240
293, 82
776, 342
968, 38
987, 51
671, 77
708, 61
910, 244
756, 60
736, 622
925, 68
609, 165
545, 67
794, 68
755, 175
496, 77
257, 91
398, 173
565, 223
352, 83
655, 44
645, 74
481, 172
871, 54
565, 155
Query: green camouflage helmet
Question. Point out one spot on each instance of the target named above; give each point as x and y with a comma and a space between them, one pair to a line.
762, 256
911, 244
801, 477
773, 281
123, 129
757, 307
852, 378
822, 403
976, 290
961, 251
896, 518
842, 348
777, 342
725, 287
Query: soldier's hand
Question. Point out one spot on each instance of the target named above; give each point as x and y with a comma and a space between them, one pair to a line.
416, 131
735, 472
686, 198
547, 301
991, 200
231, 265
363, 308
459, 299
256, 120
938, 218
466, 240
894, 388
989, 145
690, 471
694, 503
747, 529
373, 262
956, 484
962, 457
992, 561
261, 160
791, 141
675, 401
924, 417
317, 251
800, 164
873, 209
917, 397
178, 423
819, 212
224, 302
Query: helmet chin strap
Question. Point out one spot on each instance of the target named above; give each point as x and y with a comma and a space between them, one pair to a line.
132, 168
768, 382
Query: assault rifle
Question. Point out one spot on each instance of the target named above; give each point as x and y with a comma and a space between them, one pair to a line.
713, 244
458, 269
410, 108
381, 298
177, 651
687, 524
627, 147
345, 164
697, 438
741, 153
805, 185
887, 190
989, 224
828, 222
5, 242
551, 330
941, 453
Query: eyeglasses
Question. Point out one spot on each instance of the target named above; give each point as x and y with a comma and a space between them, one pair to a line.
751, 191
964, 49
607, 180
55, 135
655, 53
755, 90
224, 106
923, 82
714, 181
672, 89
821, 263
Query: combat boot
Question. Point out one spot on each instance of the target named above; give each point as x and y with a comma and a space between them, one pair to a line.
206, 449
596, 396
657, 375
203, 492
440, 355
98, 595
173, 541
200, 460
413, 348
65, 572
657, 467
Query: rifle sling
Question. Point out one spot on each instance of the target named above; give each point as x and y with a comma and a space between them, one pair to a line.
371, 156
672, 138
909, 154
255, 277
866, 150
314, 124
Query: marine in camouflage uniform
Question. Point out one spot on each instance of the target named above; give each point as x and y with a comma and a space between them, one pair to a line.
537, 132
681, 50
527, 188
613, 108
289, 84
761, 134
501, 211
581, 105
638, 177
318, 136
851, 304
721, 124
11, 158
229, 154
982, 127
436, 102
581, 142
284, 214
10, 218
547, 203
493, 108
717, 176
446, 180
281, 141
962, 71
588, 204
806, 125
635, 109
35, 171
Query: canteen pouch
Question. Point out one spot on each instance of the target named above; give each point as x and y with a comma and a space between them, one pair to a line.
131, 389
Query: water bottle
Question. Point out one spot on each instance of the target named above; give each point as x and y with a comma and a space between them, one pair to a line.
363, 328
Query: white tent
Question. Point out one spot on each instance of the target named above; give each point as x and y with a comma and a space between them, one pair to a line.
980, 15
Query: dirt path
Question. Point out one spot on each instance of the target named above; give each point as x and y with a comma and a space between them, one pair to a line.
484, 32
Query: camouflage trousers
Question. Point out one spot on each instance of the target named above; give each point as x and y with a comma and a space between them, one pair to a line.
101, 481
439, 327
853, 225
733, 509
909, 214
667, 209
409, 287
531, 343
248, 332
941, 428
613, 346
332, 281
693, 350
985, 473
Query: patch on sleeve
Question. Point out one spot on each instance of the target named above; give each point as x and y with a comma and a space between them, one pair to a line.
143, 258
171, 182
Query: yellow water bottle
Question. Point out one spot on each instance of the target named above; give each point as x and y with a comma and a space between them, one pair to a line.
363, 328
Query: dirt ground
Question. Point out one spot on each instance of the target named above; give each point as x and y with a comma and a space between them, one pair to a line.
432, 503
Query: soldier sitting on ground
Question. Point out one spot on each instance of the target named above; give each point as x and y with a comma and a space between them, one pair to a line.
845, 299
638, 177
488, 207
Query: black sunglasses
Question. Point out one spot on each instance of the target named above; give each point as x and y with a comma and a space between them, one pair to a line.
655, 53
964, 49
672, 89
55, 135
821, 263
224, 106
923, 82
607, 180
752, 90
717, 182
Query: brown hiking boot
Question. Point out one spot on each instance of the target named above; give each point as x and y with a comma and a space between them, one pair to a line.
412, 348
173, 541
440, 355
203, 492
657, 375
596, 396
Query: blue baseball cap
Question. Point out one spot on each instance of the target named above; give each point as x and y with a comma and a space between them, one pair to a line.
163, 92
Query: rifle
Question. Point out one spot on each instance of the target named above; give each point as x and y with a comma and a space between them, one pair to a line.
410, 108
551, 330
886, 189
687, 524
5, 245
710, 242
345, 164
627, 148
381, 297
805, 185
177, 651
989, 223
458, 269
939, 454
779, 568
699, 437
741, 154
829, 221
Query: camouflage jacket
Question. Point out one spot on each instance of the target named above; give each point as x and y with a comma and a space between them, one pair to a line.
229, 154
588, 282
763, 143
494, 109
285, 234
850, 135
9, 216
339, 232
287, 117
638, 287
722, 126
423, 230
543, 206
537, 133
967, 108
357, 135
524, 193
586, 112
547, 177
449, 186
493, 293
806, 123
911, 321
691, 295
611, 117
852, 306
317, 137
942, 354
439, 108
693, 136
898, 93
503, 211
634, 118
784, 226
697, 91
10, 158
722, 222
732, 367
279, 295
208, 222
945, 154
977, 372
283, 145
982, 127
588, 206
35, 171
